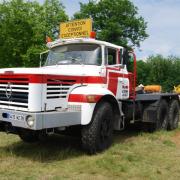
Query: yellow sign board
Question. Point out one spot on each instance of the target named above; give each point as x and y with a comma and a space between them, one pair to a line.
76, 29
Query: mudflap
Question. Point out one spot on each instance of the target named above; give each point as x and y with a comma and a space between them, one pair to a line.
150, 113
120, 124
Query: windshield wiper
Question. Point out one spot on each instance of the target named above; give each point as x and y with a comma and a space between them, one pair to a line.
79, 61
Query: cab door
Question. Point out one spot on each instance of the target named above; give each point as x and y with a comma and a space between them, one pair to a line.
117, 75
129, 60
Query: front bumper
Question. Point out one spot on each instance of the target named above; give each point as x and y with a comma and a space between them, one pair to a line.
42, 120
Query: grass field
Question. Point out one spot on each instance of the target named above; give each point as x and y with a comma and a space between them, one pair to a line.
133, 155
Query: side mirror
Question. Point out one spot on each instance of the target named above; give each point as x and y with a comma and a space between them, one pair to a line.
125, 57
128, 59
43, 57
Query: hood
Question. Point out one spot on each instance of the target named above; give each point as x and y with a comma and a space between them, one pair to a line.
67, 70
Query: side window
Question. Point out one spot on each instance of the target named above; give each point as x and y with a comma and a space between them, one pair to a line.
111, 56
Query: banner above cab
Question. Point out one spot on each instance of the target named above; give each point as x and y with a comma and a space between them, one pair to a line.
76, 29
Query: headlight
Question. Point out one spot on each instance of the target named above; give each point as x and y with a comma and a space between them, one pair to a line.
30, 121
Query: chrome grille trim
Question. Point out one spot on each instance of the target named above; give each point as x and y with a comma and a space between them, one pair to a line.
57, 88
17, 90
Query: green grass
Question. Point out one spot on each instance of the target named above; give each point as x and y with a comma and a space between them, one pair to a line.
133, 155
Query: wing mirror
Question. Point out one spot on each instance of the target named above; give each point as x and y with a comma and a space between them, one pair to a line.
43, 57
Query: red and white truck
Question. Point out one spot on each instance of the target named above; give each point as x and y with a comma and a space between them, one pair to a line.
84, 83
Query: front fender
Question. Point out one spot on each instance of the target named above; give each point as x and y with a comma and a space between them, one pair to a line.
78, 96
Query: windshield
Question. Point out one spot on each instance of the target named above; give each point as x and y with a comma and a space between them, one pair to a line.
88, 54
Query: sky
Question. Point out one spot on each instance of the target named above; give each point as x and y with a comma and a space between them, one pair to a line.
163, 18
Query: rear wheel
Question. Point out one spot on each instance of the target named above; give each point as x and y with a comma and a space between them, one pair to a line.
173, 115
161, 119
28, 136
162, 116
97, 136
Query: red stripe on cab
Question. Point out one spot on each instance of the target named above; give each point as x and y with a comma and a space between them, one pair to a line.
44, 78
84, 98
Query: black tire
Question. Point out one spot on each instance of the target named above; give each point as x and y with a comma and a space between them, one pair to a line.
161, 119
162, 116
97, 136
147, 127
28, 136
173, 115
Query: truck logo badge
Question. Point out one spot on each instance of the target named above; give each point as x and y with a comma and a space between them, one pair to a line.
9, 90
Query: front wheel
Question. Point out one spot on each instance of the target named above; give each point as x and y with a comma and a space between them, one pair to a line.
97, 136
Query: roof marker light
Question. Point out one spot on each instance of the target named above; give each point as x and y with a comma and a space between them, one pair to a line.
93, 34
48, 39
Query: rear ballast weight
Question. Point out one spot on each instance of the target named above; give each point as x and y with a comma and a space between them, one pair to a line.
85, 86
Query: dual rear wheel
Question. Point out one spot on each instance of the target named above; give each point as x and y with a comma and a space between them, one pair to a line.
167, 117
173, 115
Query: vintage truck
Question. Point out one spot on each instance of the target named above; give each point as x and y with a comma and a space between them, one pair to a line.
84, 83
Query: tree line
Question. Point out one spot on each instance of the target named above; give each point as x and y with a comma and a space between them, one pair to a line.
164, 71
23, 27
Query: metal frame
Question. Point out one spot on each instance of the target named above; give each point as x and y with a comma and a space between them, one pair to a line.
43, 120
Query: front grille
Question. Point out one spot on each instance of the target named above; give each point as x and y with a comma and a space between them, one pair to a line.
14, 92
57, 88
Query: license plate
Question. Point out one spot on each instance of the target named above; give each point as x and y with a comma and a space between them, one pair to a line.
16, 117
